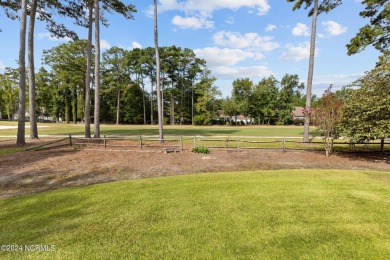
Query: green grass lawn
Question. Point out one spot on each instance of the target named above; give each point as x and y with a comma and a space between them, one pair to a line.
78, 129
285, 214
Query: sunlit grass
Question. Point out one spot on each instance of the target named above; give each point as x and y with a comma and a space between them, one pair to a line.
185, 130
310, 214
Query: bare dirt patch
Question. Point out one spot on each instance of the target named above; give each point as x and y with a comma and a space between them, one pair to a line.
36, 171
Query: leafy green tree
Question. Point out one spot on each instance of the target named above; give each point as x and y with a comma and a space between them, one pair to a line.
327, 118
290, 87
205, 106
230, 108
133, 110
9, 91
115, 74
315, 9
135, 65
366, 115
264, 99
68, 64
241, 93
45, 93
377, 33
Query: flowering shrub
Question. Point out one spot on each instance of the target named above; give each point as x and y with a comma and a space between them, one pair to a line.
327, 118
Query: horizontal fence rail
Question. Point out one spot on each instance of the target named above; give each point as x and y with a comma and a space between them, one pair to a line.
180, 143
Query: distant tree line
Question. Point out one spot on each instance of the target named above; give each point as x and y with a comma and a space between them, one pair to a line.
128, 79
128, 93
267, 102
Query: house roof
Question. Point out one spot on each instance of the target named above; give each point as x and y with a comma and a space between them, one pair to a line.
298, 111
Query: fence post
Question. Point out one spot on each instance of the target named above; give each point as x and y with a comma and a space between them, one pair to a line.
70, 139
382, 145
104, 141
238, 143
140, 141
195, 145
181, 143
284, 144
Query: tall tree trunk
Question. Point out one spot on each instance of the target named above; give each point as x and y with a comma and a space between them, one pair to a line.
151, 104
192, 102
21, 140
143, 98
31, 78
118, 106
87, 109
96, 133
182, 99
159, 103
310, 74
74, 106
172, 114
67, 105
162, 97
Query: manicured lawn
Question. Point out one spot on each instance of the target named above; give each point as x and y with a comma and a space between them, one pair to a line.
286, 214
78, 129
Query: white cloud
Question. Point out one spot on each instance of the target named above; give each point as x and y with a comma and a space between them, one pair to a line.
339, 79
201, 10
209, 6
320, 35
192, 22
270, 27
42, 36
300, 30
104, 45
334, 28
215, 56
322, 82
226, 72
297, 53
135, 45
245, 41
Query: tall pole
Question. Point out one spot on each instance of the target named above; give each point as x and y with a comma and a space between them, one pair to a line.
158, 87
96, 133
31, 75
21, 140
310, 73
87, 110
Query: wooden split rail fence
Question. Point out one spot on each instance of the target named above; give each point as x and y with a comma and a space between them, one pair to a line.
177, 143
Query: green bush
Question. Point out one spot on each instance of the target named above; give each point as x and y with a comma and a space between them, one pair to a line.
203, 119
201, 149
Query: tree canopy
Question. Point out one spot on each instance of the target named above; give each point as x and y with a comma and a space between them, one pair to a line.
377, 33
367, 108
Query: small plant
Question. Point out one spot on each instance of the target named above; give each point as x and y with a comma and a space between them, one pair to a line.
201, 149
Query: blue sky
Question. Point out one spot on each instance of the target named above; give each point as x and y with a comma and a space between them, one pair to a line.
237, 38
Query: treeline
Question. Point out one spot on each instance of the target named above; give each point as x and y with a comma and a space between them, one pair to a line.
267, 102
128, 79
128, 93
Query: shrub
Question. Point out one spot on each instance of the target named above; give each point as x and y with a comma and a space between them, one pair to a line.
201, 149
203, 119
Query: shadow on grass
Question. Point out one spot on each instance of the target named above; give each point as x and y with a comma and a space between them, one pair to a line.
39, 218
369, 156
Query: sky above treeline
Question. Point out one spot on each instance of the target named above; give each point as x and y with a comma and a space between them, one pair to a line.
237, 38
